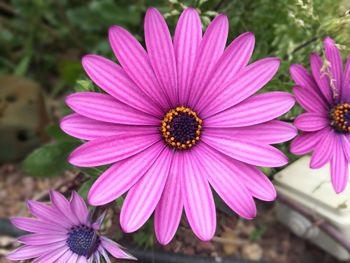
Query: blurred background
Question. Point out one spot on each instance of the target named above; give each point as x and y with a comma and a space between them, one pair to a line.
41, 44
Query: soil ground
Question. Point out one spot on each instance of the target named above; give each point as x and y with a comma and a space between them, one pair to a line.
261, 239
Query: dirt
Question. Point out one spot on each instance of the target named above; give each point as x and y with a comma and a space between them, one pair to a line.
260, 239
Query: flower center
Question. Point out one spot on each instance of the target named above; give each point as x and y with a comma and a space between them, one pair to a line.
340, 118
181, 128
83, 240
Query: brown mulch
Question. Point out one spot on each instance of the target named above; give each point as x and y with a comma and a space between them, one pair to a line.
261, 239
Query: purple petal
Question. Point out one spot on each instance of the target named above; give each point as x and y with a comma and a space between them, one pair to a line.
271, 105
135, 61
97, 257
302, 77
235, 57
88, 129
73, 258
105, 255
169, 209
310, 121
111, 78
42, 239
257, 183
339, 169
188, 35
115, 250
305, 142
61, 203
336, 65
36, 226
144, 196
345, 141
346, 82
161, 53
211, 48
27, 252
198, 199
120, 177
324, 150
268, 133
103, 107
246, 151
309, 100
247, 82
81, 259
79, 208
320, 77
65, 257
98, 223
222, 175
47, 213
111, 149
52, 256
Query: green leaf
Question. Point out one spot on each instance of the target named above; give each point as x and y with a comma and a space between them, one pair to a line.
22, 66
258, 233
94, 171
85, 188
54, 131
49, 160
70, 70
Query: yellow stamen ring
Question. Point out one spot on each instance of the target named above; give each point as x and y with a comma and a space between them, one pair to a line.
181, 128
340, 118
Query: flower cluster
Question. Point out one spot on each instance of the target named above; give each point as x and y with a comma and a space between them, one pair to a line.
177, 120
325, 126
63, 233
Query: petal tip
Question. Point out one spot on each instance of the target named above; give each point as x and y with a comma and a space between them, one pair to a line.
151, 10
314, 55
250, 35
328, 41
339, 188
293, 68
163, 241
128, 227
115, 30
93, 198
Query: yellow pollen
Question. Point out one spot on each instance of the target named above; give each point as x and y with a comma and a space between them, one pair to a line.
181, 128
340, 118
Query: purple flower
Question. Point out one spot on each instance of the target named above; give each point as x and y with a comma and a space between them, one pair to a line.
63, 233
325, 126
177, 120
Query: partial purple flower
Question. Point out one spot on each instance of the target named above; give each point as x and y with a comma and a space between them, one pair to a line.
177, 120
325, 126
63, 233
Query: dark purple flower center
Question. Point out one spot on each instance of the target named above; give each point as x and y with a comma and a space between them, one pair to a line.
181, 128
340, 118
83, 240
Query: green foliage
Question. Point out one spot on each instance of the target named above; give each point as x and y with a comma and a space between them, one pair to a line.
85, 187
49, 160
45, 40
258, 233
145, 236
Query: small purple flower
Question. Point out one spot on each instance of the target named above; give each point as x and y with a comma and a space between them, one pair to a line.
63, 233
177, 120
325, 126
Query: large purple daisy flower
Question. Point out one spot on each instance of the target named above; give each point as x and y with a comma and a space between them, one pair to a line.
178, 119
63, 233
325, 126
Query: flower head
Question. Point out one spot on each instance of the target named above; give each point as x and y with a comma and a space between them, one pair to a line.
63, 233
325, 126
177, 119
